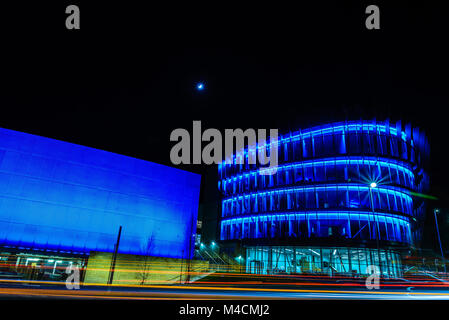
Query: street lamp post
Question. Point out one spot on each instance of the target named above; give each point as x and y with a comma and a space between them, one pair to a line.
114, 256
239, 259
435, 211
372, 186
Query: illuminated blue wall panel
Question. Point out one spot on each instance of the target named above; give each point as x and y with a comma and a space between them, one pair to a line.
56, 195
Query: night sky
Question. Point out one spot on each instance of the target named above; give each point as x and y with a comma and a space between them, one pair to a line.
127, 79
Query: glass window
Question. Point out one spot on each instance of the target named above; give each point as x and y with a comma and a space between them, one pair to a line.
332, 198
252, 229
354, 143
281, 153
246, 204
331, 172
307, 148
300, 200
382, 228
355, 228
392, 202
246, 182
394, 175
288, 176
385, 174
313, 226
297, 146
340, 172
394, 146
364, 228
382, 145
283, 200
238, 205
272, 179
237, 230
308, 174
253, 181
289, 151
310, 199
407, 179
376, 172
390, 229
303, 227
280, 177
401, 177
366, 143
399, 203
375, 199
294, 227
325, 227
354, 199
290, 200
320, 173
298, 174
262, 233
364, 199
353, 172
328, 143
408, 207
254, 204
318, 145
223, 209
341, 198
270, 201
283, 230
384, 201
322, 201
404, 154
340, 146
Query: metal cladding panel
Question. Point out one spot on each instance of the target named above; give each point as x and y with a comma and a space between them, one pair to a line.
56, 195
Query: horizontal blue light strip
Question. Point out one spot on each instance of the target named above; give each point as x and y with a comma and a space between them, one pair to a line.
332, 128
339, 160
348, 214
357, 187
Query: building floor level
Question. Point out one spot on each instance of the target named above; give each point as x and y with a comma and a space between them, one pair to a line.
332, 261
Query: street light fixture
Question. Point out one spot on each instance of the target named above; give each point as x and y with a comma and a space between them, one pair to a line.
371, 187
435, 212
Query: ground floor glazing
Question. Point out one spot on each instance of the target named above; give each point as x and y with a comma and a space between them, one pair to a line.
331, 261
35, 266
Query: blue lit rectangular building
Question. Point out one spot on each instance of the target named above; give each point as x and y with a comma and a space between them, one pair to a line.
61, 197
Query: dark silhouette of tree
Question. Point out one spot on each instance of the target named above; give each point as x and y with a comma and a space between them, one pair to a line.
145, 262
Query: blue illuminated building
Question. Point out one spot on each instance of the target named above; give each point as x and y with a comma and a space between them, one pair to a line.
64, 198
345, 196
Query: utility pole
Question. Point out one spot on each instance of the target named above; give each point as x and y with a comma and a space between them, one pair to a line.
435, 211
376, 221
180, 274
191, 239
114, 256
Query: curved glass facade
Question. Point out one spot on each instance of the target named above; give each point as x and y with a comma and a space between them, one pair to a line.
321, 192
